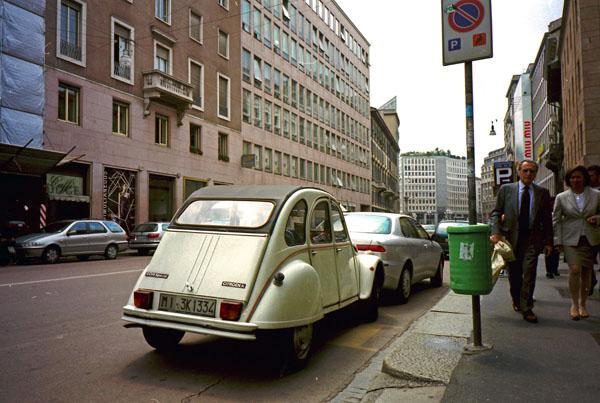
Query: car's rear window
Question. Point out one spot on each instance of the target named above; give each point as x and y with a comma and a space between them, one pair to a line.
229, 213
147, 227
371, 224
113, 226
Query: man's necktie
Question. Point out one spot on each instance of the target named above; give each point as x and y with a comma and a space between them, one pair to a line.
524, 213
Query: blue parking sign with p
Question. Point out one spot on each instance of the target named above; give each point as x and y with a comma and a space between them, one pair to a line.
454, 44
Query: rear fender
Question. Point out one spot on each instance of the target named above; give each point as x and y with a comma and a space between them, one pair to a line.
296, 301
370, 268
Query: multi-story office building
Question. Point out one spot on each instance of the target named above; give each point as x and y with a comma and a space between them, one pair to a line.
580, 60
488, 199
305, 98
545, 113
385, 151
434, 187
160, 99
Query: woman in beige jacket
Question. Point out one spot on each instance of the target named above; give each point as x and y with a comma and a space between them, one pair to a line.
575, 219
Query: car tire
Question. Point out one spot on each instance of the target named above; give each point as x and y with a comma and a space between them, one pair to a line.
111, 252
162, 339
297, 343
370, 306
83, 258
437, 280
143, 252
50, 255
404, 286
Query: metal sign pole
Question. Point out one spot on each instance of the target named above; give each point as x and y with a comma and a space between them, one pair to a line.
477, 346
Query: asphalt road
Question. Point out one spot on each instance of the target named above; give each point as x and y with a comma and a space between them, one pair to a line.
62, 340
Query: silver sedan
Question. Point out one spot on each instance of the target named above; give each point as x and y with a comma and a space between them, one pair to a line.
408, 253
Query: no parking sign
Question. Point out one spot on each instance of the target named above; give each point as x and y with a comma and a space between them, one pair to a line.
466, 30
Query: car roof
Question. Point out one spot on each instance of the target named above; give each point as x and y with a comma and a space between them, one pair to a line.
245, 192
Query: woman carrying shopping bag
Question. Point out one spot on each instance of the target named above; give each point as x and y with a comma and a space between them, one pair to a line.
575, 219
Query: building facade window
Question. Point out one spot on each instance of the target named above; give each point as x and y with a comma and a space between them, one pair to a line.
222, 151
257, 111
224, 4
223, 45
257, 24
246, 61
196, 78
71, 31
161, 130
120, 119
195, 26
68, 103
162, 58
195, 139
163, 10
122, 52
246, 15
223, 92
268, 160
268, 124
246, 106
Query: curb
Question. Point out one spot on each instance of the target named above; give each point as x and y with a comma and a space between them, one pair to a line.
421, 361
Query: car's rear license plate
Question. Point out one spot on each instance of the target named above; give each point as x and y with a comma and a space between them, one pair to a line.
185, 304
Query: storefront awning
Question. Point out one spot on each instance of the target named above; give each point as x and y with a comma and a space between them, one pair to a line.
71, 198
28, 161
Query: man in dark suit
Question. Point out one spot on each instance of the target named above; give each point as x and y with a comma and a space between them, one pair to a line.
523, 215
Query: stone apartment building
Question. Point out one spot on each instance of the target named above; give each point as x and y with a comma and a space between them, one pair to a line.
156, 99
579, 49
384, 153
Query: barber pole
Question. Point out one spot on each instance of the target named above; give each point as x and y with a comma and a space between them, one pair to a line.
42, 215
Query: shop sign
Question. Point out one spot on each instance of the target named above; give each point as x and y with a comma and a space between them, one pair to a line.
64, 184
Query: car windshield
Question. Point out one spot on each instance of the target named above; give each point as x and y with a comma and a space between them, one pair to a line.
442, 228
147, 227
372, 224
229, 213
56, 227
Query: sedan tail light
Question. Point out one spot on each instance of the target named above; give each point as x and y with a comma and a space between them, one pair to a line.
132, 237
230, 310
153, 235
142, 299
372, 248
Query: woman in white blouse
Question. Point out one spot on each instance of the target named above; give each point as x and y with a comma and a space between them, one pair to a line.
575, 219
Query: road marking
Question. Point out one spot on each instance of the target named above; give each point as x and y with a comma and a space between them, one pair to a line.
70, 278
358, 337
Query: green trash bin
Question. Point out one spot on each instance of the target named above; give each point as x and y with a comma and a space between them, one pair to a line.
470, 259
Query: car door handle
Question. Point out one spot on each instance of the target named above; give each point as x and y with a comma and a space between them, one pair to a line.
313, 252
338, 249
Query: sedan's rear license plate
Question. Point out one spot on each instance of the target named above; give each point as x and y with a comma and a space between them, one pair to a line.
189, 305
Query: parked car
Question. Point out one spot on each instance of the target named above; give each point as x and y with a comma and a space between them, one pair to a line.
408, 254
81, 238
429, 228
146, 237
441, 233
242, 261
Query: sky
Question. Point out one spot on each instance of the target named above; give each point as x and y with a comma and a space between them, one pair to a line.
406, 62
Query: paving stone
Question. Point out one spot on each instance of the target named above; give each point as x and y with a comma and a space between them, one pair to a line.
444, 324
424, 357
455, 303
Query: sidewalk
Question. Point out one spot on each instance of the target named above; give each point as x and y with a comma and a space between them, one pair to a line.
555, 360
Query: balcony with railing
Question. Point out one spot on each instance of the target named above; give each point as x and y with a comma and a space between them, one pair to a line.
164, 88
122, 70
71, 50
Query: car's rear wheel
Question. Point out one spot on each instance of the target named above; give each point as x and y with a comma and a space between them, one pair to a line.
162, 339
404, 285
111, 252
50, 255
143, 252
438, 279
297, 346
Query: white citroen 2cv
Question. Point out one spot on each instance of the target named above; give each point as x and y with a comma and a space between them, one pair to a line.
238, 260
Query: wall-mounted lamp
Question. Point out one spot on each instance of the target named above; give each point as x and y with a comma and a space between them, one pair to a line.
140, 168
492, 131
178, 174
